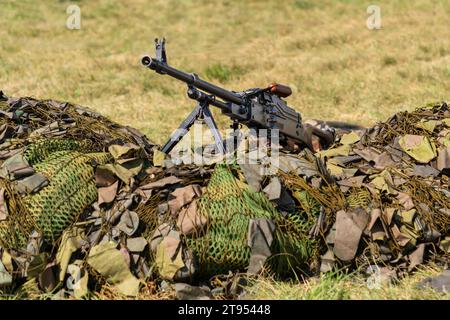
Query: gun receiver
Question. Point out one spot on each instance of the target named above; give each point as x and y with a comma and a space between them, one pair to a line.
257, 108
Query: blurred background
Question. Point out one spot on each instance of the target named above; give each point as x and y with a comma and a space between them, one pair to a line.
338, 68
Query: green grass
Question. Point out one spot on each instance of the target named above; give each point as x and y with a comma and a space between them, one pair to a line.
305, 5
337, 68
223, 73
341, 286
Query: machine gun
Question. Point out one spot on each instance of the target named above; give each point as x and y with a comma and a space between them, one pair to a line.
258, 108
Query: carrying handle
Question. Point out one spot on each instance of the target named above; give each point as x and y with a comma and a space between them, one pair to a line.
280, 90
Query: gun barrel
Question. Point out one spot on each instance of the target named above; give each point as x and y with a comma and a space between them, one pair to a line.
191, 79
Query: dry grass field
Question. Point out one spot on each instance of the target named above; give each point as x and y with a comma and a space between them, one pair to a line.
337, 67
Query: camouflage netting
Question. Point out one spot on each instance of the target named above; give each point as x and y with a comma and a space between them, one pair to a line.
84, 198
68, 186
229, 206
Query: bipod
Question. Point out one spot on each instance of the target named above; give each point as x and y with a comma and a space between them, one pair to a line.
201, 112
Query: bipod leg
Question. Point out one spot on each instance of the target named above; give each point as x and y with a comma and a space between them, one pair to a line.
208, 118
182, 129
